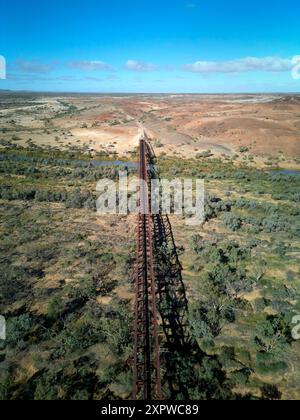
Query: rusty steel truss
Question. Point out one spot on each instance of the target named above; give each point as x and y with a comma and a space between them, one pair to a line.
147, 380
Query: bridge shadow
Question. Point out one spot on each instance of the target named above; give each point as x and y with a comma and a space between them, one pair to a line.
188, 373
180, 352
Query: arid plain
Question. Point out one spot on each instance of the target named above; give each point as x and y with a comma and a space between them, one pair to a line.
183, 125
66, 283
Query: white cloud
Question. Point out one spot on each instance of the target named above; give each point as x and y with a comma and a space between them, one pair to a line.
248, 64
296, 67
90, 65
34, 66
134, 65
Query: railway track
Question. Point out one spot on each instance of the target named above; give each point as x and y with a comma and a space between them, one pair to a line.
147, 380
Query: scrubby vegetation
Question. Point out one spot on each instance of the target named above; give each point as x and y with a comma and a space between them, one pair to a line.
262, 343
66, 281
68, 326
242, 276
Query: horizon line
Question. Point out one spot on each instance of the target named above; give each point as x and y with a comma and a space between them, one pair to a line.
145, 93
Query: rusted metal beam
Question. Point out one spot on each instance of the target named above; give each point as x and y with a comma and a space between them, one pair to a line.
147, 380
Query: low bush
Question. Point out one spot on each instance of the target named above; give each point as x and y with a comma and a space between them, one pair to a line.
232, 221
17, 330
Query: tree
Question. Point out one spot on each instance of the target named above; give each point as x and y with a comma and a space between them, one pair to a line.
223, 285
272, 335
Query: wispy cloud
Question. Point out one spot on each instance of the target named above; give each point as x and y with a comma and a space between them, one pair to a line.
248, 64
23, 77
140, 66
90, 65
26, 77
34, 66
110, 78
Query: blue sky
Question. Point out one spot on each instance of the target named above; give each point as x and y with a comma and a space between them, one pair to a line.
150, 46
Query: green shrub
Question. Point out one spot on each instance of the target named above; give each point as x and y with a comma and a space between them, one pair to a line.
17, 330
240, 378
14, 283
272, 335
205, 154
5, 386
77, 336
271, 368
232, 221
243, 149
55, 307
